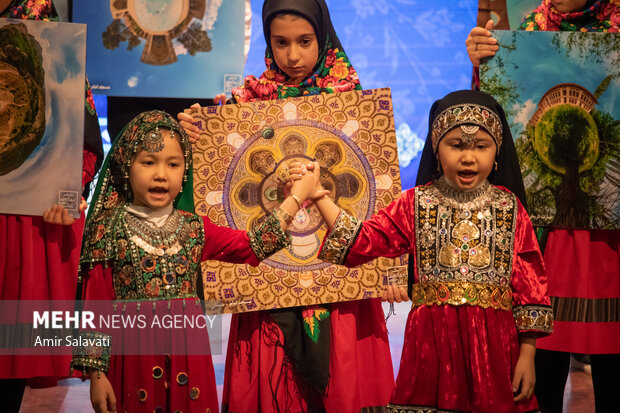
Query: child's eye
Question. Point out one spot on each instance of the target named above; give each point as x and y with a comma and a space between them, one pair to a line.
306, 42
147, 162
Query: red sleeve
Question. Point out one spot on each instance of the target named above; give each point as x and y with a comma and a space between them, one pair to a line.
388, 233
530, 300
227, 245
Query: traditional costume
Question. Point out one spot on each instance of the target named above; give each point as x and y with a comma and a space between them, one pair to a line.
272, 364
478, 279
38, 261
149, 260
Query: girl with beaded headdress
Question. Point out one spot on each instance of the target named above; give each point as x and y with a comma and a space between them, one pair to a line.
273, 363
479, 290
139, 248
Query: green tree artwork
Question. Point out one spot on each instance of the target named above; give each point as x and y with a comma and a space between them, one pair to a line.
558, 90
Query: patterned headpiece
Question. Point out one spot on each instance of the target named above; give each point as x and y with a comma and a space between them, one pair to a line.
470, 117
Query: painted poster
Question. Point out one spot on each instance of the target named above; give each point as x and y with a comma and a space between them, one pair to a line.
41, 115
560, 91
154, 48
236, 163
506, 14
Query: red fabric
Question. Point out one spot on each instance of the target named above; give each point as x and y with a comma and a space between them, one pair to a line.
221, 243
360, 363
456, 357
38, 261
89, 162
583, 264
129, 374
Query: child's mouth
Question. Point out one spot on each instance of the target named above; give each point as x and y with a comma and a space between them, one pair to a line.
467, 175
158, 191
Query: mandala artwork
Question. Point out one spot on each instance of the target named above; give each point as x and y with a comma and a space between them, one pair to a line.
243, 149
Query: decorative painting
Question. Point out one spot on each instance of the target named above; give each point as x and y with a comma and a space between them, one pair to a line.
243, 148
42, 67
564, 115
150, 48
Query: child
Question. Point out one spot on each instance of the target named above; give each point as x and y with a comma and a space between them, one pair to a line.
479, 297
139, 248
271, 363
577, 280
39, 254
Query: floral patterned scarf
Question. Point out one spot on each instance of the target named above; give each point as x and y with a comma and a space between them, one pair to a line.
31, 10
332, 73
598, 16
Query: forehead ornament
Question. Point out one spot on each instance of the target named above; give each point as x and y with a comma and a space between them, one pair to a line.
470, 117
154, 140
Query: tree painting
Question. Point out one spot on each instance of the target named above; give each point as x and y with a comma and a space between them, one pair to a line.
569, 148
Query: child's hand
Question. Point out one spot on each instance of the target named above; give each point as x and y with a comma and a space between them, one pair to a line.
308, 186
57, 214
187, 123
480, 44
101, 393
220, 99
394, 293
525, 376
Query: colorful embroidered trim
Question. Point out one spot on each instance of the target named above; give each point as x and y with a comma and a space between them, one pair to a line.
462, 293
340, 239
534, 318
393, 408
268, 238
93, 350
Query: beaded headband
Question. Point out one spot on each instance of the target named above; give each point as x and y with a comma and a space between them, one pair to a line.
470, 117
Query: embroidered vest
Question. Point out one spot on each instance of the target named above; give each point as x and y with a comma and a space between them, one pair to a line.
464, 245
154, 263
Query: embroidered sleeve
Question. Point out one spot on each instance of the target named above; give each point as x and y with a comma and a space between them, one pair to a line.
91, 349
268, 238
534, 320
340, 239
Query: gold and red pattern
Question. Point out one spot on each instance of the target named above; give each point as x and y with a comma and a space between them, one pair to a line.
462, 293
467, 114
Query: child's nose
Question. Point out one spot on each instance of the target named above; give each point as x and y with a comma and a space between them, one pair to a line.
293, 53
160, 172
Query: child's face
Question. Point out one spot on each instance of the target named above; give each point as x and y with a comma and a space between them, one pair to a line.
157, 178
466, 165
569, 6
294, 45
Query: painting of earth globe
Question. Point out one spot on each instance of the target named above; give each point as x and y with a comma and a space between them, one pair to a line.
22, 96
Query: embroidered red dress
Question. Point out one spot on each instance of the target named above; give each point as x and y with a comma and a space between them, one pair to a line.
161, 382
128, 263
479, 284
